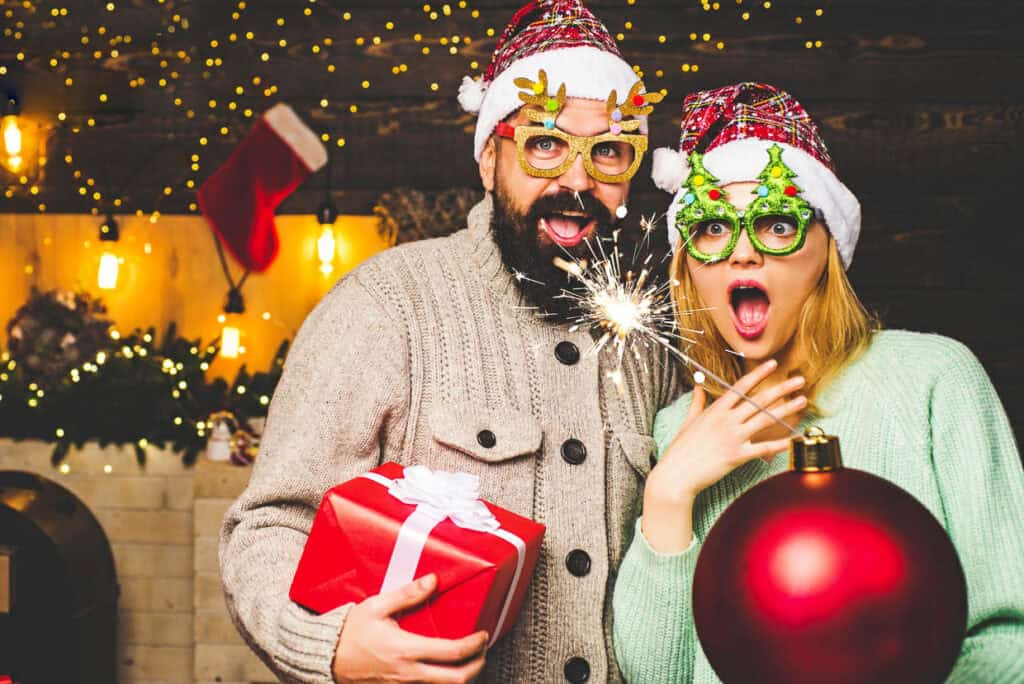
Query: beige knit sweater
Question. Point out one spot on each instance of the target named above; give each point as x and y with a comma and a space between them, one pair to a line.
409, 358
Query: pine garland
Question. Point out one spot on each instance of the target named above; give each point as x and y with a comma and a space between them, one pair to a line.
116, 389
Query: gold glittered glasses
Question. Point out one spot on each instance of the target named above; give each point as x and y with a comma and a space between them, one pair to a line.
548, 152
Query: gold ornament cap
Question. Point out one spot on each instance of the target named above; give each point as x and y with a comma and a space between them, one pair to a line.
815, 451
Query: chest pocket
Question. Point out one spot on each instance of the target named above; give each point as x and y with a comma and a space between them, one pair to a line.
638, 450
486, 434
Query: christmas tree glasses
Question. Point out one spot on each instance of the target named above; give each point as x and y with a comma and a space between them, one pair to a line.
776, 221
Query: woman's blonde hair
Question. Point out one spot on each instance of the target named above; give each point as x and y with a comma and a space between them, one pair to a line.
834, 328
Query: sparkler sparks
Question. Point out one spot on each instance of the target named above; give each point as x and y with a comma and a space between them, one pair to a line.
633, 314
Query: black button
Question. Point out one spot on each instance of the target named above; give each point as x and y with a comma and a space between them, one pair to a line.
573, 451
578, 562
577, 669
486, 439
567, 352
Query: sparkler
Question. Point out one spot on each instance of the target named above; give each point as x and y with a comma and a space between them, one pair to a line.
633, 314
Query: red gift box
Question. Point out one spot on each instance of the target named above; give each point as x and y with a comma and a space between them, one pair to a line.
392, 525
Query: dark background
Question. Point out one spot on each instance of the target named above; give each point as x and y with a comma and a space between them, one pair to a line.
919, 102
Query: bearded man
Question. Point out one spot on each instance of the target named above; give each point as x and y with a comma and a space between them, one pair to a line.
459, 353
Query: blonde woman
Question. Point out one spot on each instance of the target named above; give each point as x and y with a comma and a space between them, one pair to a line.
763, 231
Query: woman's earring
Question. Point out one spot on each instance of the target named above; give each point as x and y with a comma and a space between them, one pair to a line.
621, 211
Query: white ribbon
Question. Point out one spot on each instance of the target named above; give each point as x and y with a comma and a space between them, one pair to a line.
440, 495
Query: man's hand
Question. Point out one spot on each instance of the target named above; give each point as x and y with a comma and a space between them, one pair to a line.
373, 648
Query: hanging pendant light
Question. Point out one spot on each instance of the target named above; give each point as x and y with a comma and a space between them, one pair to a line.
230, 334
326, 244
106, 277
326, 215
22, 147
12, 136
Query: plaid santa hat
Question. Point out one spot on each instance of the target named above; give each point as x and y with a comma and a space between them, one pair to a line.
563, 38
733, 127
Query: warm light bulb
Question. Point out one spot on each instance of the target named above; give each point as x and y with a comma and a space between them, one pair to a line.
107, 276
12, 143
325, 249
12, 136
230, 338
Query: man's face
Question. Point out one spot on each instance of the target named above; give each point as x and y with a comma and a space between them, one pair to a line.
538, 219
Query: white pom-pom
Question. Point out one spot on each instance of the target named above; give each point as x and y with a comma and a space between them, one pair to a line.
471, 95
669, 169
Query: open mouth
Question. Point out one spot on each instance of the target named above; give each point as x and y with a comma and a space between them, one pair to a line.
749, 302
568, 228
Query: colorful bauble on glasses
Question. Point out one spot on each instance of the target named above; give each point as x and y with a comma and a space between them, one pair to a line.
705, 212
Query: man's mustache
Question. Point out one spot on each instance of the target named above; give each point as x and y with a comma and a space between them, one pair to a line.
569, 201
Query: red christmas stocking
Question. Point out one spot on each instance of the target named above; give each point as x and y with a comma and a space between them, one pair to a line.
239, 199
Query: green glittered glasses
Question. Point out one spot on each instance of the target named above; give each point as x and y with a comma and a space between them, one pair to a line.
776, 221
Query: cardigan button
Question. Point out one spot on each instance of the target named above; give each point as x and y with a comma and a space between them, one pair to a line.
567, 352
573, 452
486, 439
577, 669
578, 563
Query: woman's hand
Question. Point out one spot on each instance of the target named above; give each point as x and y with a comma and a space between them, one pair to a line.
711, 443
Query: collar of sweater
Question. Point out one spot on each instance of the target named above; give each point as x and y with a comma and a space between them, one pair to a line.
484, 252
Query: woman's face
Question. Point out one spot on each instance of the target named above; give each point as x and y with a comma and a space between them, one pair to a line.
755, 299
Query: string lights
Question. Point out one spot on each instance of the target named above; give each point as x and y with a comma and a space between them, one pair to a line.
161, 386
219, 73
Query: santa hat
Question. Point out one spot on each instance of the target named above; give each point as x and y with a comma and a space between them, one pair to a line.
563, 38
733, 127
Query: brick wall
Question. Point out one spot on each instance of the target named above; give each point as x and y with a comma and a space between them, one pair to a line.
220, 654
162, 521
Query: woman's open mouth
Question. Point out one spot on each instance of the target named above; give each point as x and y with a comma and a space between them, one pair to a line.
748, 300
568, 228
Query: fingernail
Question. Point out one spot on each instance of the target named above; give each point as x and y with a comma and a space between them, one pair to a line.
426, 581
798, 380
772, 363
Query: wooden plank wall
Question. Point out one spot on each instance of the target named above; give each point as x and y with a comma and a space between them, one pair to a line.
920, 103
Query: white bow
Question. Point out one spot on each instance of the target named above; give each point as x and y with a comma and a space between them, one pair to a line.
441, 495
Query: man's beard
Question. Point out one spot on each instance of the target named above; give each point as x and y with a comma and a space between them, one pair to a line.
523, 252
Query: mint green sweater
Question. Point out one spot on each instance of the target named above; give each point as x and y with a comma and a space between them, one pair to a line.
916, 409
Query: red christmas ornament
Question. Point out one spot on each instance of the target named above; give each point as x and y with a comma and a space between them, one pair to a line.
828, 574
790, 191
714, 194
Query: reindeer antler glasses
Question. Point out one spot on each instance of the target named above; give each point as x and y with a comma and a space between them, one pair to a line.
546, 152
